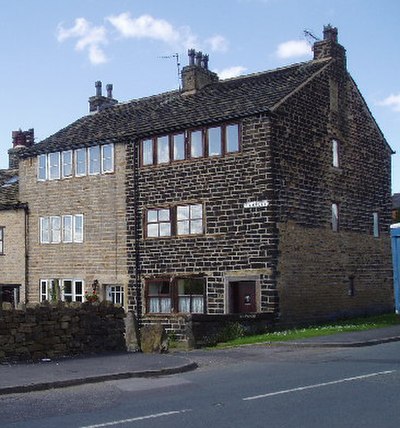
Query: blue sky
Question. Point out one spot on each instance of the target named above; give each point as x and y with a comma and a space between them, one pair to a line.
52, 52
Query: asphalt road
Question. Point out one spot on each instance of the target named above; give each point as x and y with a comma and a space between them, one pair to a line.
253, 386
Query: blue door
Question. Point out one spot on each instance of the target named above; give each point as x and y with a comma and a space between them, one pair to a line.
395, 234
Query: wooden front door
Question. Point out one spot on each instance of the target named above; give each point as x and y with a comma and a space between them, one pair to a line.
242, 297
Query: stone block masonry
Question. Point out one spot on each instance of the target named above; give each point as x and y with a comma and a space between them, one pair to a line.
58, 330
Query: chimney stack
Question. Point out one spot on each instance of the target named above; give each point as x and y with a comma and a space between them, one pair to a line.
196, 75
329, 46
20, 140
100, 102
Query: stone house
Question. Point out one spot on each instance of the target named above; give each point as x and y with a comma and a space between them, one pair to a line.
261, 197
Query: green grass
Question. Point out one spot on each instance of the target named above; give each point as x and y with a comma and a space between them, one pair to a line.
350, 325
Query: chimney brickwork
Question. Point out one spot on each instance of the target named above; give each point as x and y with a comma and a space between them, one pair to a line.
329, 46
20, 140
100, 102
196, 75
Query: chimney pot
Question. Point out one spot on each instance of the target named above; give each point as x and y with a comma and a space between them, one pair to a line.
109, 88
204, 62
199, 56
98, 88
330, 33
191, 54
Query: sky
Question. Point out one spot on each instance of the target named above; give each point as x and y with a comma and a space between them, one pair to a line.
53, 52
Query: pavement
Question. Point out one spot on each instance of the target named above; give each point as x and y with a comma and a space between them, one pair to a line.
48, 374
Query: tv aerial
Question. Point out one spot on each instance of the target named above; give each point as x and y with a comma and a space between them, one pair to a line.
310, 37
178, 65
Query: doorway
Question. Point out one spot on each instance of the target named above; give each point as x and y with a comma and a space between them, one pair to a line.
242, 297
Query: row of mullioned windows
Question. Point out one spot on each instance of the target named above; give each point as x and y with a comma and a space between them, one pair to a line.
80, 162
57, 229
198, 143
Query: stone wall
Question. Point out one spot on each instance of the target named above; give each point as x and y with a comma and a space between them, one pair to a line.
57, 330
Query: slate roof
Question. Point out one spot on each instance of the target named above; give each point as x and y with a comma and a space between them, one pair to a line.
218, 102
9, 189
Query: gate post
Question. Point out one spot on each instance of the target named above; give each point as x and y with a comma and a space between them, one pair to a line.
395, 237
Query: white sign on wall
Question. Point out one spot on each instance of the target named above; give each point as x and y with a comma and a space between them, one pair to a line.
256, 204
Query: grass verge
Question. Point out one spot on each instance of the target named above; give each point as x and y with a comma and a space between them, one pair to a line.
350, 325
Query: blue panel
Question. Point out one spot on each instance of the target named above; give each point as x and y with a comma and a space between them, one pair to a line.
395, 234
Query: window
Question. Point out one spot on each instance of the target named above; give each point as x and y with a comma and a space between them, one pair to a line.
179, 220
80, 162
67, 228
42, 167
66, 160
232, 138
94, 160
56, 229
163, 149
178, 146
115, 294
54, 166
72, 290
335, 154
147, 152
1, 240
375, 217
159, 297
107, 158
191, 295
214, 141
189, 219
335, 217
176, 295
191, 144
44, 289
158, 223
45, 230
196, 144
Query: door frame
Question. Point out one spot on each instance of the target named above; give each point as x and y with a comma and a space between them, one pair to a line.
238, 278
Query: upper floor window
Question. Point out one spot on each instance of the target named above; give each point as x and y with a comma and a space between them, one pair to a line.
335, 153
375, 219
1, 240
174, 221
335, 217
56, 229
192, 144
80, 162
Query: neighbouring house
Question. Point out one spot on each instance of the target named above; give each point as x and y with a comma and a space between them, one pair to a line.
396, 207
257, 198
13, 231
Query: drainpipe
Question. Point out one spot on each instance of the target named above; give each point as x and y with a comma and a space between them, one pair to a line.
137, 225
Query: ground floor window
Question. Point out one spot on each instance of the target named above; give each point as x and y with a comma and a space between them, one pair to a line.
167, 295
9, 293
67, 290
115, 294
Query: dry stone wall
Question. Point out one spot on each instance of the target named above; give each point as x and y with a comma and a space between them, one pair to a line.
58, 330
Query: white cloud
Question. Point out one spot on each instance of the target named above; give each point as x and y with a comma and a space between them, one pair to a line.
88, 37
231, 72
218, 43
293, 48
144, 26
391, 101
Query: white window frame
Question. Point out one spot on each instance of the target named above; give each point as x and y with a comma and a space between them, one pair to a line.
54, 166
67, 228
115, 294
94, 160
55, 229
335, 153
74, 295
107, 159
42, 169
2, 228
44, 293
78, 231
44, 233
79, 173
67, 166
